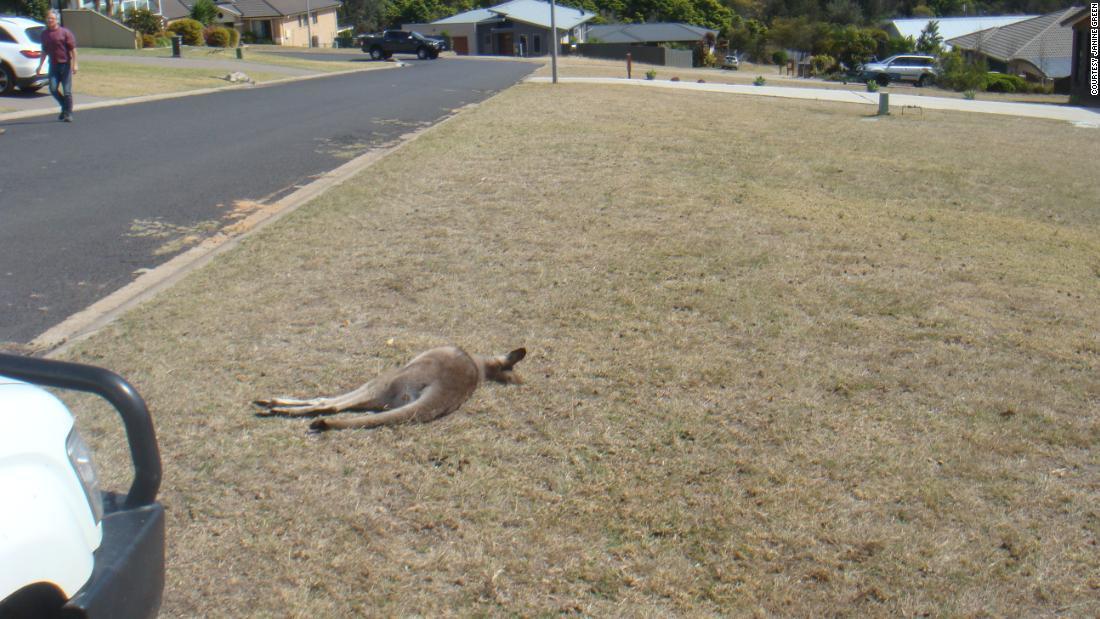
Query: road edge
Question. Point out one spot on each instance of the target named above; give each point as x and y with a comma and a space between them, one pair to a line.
87, 322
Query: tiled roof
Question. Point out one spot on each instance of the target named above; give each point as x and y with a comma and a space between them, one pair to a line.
1043, 41
648, 33
177, 9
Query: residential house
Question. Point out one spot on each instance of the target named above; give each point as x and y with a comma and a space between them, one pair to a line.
659, 43
515, 28
1039, 49
282, 22
1082, 77
951, 27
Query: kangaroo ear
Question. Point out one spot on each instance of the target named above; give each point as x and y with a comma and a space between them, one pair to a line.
515, 357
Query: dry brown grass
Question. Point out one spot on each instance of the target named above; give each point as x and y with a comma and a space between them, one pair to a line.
784, 361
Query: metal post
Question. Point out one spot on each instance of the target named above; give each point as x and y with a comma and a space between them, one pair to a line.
628, 63
556, 39
883, 104
309, 28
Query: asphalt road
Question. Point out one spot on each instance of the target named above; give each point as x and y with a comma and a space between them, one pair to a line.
86, 205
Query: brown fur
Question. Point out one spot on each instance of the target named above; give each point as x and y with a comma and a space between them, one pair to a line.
434, 384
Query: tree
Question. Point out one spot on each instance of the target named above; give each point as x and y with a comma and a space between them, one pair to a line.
34, 9
930, 41
204, 12
144, 21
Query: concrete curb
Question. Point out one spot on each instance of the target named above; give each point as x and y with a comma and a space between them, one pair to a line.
1081, 117
88, 321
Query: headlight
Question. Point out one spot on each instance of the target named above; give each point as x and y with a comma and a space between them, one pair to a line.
81, 458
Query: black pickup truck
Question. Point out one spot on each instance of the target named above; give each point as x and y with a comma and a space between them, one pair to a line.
392, 42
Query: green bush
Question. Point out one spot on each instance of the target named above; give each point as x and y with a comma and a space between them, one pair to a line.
779, 57
248, 37
960, 75
204, 12
759, 81
216, 36
144, 21
163, 41
1040, 89
1000, 82
234, 37
189, 29
148, 40
872, 86
822, 64
651, 74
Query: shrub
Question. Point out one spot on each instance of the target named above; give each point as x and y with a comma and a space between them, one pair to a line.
234, 37
779, 57
163, 41
204, 12
189, 29
822, 63
959, 74
1040, 89
1000, 82
651, 74
144, 21
216, 36
872, 86
148, 40
759, 81
969, 94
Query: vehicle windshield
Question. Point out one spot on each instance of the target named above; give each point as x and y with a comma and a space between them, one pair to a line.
34, 33
417, 35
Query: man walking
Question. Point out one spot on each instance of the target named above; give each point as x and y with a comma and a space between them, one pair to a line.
59, 45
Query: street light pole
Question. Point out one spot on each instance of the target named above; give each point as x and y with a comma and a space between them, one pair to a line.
556, 39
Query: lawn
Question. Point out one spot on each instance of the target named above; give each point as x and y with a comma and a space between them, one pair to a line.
574, 66
107, 79
784, 359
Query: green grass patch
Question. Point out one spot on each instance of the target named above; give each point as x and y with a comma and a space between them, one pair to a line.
108, 79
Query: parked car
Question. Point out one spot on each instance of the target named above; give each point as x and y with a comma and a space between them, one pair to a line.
20, 51
67, 549
731, 62
392, 42
921, 70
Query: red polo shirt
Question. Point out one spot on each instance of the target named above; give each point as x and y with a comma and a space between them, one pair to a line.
58, 44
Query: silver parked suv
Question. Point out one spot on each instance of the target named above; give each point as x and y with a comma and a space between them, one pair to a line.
915, 68
20, 51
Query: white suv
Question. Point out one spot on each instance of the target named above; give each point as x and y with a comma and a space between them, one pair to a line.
915, 68
20, 52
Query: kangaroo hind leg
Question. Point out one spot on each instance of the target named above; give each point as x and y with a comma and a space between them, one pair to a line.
369, 397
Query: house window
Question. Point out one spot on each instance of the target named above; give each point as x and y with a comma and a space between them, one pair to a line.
315, 18
537, 44
300, 24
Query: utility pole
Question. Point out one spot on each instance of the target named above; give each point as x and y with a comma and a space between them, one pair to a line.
557, 40
309, 27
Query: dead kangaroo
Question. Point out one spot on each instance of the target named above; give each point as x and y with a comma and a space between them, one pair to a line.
435, 383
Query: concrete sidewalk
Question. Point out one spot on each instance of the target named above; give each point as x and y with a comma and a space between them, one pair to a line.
1080, 116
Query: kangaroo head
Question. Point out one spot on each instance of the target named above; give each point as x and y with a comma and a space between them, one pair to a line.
499, 368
